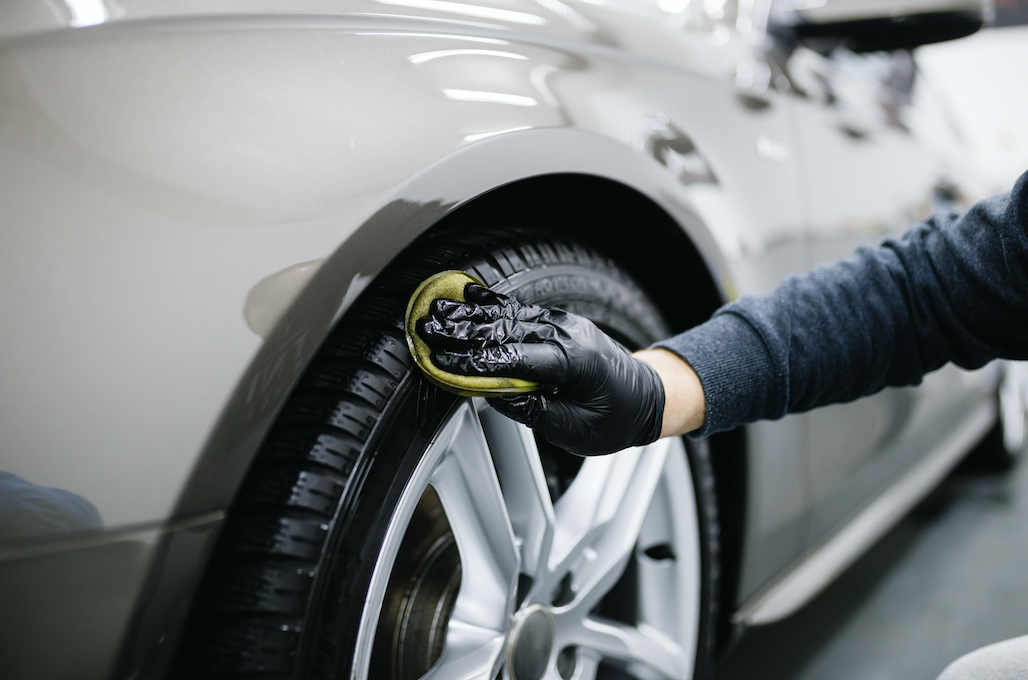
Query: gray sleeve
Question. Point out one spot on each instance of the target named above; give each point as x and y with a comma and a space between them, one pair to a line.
953, 288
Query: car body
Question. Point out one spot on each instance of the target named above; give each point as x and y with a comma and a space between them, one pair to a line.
194, 194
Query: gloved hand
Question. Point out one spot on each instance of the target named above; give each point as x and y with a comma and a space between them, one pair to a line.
597, 398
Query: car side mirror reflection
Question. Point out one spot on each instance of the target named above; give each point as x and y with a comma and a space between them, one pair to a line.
872, 25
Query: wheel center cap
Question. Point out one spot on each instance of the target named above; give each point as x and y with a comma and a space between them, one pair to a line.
530, 644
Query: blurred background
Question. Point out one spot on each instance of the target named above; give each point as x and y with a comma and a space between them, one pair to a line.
983, 78
951, 576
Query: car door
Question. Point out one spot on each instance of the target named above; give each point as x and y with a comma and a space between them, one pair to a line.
722, 127
868, 176
743, 124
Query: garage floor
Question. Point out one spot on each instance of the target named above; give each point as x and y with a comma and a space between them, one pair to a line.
951, 577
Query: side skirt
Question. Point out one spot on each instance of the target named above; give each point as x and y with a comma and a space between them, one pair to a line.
811, 573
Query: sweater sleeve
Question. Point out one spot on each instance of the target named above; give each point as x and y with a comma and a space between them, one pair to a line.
953, 288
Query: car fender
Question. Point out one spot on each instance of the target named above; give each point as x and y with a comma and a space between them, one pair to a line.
427, 198
151, 183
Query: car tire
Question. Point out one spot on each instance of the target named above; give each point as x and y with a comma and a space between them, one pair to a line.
387, 527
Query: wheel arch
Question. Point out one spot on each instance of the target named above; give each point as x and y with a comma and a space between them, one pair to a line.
560, 179
621, 205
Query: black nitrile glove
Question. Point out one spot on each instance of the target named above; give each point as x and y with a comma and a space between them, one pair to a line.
597, 399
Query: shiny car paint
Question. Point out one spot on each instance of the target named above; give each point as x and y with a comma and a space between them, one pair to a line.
192, 195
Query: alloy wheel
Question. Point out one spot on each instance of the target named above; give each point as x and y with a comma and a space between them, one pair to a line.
483, 575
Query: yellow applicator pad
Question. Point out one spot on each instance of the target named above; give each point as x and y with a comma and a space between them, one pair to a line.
450, 285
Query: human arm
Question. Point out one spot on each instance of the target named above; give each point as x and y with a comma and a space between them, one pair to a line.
953, 288
684, 403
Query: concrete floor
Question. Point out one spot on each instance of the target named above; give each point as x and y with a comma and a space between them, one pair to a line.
951, 577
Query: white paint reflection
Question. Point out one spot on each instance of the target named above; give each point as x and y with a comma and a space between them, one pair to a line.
772, 150
538, 78
86, 12
438, 36
270, 297
570, 15
744, 16
754, 76
470, 10
673, 6
483, 135
490, 97
429, 56
715, 9
800, 5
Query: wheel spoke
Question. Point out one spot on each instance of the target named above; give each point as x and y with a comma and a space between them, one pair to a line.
599, 517
644, 646
587, 664
470, 658
470, 494
524, 486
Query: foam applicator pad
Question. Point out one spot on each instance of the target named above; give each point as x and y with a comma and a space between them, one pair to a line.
450, 285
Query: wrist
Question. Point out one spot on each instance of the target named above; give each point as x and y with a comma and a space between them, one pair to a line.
684, 403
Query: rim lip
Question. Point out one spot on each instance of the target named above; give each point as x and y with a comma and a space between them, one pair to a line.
397, 528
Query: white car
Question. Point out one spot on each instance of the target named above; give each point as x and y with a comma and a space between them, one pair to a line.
217, 458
